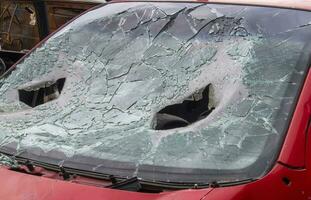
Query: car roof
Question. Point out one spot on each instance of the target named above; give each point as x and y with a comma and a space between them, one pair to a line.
293, 4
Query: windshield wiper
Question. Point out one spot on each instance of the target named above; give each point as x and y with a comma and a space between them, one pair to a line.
130, 184
136, 184
238, 182
25, 167
139, 185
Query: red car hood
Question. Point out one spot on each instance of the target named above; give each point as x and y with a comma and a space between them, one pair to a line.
19, 186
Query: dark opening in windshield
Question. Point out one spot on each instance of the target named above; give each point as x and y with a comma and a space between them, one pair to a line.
180, 92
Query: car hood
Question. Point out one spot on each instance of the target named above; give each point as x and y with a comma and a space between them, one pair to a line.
16, 185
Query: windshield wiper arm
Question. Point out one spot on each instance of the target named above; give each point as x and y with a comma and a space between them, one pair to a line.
64, 173
26, 167
130, 184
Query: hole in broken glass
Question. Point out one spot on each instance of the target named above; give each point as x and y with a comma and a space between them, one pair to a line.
192, 109
41, 92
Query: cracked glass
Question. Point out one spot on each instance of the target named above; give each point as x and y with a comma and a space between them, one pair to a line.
124, 62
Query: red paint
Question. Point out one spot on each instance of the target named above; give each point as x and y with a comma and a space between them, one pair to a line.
18, 186
294, 147
269, 187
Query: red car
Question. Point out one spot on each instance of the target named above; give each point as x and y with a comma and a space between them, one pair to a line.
163, 100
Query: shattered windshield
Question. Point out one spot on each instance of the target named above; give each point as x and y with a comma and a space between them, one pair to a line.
182, 92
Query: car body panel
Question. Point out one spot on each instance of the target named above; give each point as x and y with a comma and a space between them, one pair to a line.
22, 186
271, 186
294, 147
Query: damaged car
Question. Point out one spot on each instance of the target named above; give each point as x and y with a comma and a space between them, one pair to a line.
163, 100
